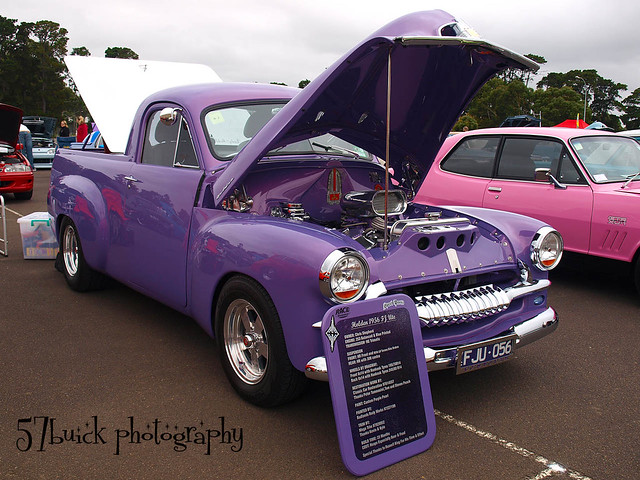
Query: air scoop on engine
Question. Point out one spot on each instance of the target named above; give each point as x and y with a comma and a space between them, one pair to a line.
371, 203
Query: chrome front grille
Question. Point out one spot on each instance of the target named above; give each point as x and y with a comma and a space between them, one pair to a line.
463, 306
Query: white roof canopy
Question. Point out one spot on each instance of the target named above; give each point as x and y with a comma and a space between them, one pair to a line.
113, 88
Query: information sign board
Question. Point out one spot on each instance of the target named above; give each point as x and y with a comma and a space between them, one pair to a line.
379, 384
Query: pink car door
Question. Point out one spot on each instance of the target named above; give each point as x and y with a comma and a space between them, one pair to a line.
463, 178
567, 206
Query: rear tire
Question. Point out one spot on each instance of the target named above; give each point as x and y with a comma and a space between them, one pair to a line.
79, 275
252, 346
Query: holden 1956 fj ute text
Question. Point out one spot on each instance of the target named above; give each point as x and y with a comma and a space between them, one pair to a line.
256, 208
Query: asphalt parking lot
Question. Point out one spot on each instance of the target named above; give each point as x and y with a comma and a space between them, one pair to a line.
101, 385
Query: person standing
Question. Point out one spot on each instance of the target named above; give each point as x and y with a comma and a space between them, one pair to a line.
83, 129
64, 129
24, 137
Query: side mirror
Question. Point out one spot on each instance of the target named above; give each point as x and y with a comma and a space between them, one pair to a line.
169, 115
542, 175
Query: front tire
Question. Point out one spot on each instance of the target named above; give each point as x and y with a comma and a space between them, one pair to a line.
23, 195
79, 275
636, 274
252, 346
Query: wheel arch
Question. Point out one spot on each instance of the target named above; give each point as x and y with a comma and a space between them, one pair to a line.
284, 258
80, 200
635, 270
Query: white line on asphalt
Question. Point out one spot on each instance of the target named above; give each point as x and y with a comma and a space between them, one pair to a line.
13, 211
553, 468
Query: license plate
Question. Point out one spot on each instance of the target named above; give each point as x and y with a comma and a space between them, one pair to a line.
483, 354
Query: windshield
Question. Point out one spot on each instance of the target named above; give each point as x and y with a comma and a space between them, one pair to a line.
609, 159
230, 129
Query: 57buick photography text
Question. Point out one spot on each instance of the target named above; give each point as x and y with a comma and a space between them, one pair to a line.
45, 433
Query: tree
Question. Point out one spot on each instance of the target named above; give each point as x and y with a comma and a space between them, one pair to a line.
278, 83
631, 105
467, 121
557, 104
540, 60
602, 95
33, 73
49, 49
120, 52
499, 99
304, 83
81, 52
511, 74
8, 60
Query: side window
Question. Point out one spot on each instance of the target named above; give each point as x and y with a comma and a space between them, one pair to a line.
474, 156
185, 154
168, 145
521, 156
546, 154
568, 172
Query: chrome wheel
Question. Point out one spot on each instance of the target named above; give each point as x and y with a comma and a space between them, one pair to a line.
70, 250
245, 341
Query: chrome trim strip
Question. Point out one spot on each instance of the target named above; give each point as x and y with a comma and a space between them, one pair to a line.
442, 358
375, 290
398, 227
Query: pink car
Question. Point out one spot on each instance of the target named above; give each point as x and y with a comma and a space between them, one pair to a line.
585, 183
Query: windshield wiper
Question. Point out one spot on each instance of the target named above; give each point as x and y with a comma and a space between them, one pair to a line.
337, 149
630, 178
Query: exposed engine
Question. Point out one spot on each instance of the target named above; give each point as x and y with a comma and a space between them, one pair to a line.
362, 217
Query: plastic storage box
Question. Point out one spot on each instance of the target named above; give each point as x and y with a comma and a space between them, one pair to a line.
38, 239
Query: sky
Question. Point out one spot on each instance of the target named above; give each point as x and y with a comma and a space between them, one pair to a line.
292, 40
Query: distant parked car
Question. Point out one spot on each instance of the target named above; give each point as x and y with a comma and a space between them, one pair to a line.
585, 183
15, 171
93, 141
44, 148
635, 134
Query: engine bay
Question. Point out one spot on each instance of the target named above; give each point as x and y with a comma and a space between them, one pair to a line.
344, 196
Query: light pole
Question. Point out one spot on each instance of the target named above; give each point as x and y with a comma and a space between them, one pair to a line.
584, 114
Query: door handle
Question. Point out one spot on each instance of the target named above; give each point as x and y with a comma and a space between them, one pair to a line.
495, 189
130, 179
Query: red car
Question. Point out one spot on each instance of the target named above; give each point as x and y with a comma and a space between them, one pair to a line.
16, 175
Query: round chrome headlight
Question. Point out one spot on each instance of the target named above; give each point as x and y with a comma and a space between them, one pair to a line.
546, 248
344, 276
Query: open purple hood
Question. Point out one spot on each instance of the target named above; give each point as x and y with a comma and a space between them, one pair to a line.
437, 65
10, 118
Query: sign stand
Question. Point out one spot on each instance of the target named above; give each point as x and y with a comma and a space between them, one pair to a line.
379, 384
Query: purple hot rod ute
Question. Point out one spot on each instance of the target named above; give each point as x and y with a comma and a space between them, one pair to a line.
256, 208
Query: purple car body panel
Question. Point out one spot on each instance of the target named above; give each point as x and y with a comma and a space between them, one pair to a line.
170, 233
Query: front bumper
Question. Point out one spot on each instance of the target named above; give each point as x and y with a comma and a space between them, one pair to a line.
43, 157
442, 358
16, 182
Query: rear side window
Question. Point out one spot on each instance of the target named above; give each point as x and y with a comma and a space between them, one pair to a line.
473, 156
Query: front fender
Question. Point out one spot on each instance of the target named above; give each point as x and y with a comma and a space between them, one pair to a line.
80, 199
284, 256
519, 229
